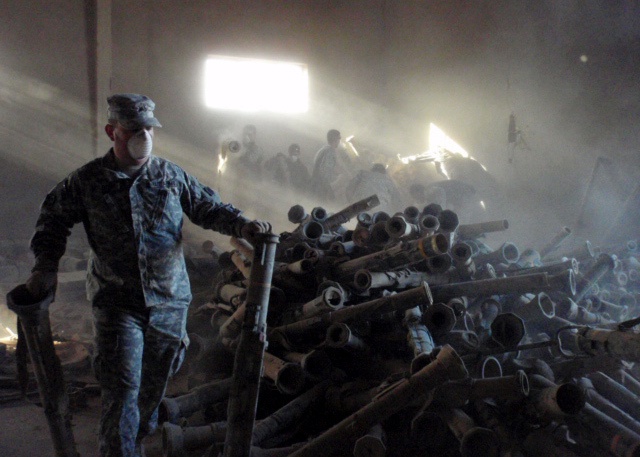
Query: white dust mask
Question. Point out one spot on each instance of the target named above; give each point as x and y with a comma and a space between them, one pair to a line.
140, 145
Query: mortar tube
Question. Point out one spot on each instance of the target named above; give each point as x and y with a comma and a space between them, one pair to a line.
446, 366
232, 327
297, 214
373, 444
378, 235
243, 266
490, 368
449, 221
243, 246
616, 439
529, 258
603, 265
616, 393
399, 228
551, 268
439, 319
553, 401
315, 363
398, 255
534, 283
288, 377
318, 214
618, 344
172, 410
507, 330
342, 248
412, 213
346, 214
401, 301
629, 381
584, 252
428, 224
456, 394
361, 236
480, 228
461, 253
508, 253
177, 440
289, 414
555, 242
227, 292
474, 441
538, 309
340, 336
606, 407
33, 318
331, 299
364, 280
248, 362
439, 264
363, 220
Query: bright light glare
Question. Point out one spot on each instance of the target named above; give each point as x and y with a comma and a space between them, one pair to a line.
439, 141
440, 146
255, 85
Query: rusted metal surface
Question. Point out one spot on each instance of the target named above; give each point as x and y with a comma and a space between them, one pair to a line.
370, 310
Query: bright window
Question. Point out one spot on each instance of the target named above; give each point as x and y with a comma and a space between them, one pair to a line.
240, 84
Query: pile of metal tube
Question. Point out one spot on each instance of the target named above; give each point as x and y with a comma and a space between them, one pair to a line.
408, 335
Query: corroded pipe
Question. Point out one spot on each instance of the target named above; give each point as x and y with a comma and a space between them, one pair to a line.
35, 327
447, 365
248, 364
479, 228
172, 410
288, 377
534, 283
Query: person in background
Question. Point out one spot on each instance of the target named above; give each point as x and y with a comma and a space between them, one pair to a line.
288, 171
131, 204
252, 154
375, 181
299, 177
328, 168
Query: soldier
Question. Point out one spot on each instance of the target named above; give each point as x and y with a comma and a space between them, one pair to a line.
375, 181
131, 204
330, 168
299, 176
289, 171
252, 154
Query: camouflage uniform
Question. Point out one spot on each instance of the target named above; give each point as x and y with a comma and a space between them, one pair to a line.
369, 182
137, 279
324, 172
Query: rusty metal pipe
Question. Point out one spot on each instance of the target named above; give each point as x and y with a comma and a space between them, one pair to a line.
250, 352
446, 366
475, 230
33, 320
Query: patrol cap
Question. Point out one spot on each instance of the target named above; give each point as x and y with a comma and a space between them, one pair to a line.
133, 111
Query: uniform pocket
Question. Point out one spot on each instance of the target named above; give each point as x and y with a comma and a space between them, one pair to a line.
164, 198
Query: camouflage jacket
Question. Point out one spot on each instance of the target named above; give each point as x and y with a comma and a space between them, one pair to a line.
134, 228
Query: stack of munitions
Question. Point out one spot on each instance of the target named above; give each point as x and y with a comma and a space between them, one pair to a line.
410, 335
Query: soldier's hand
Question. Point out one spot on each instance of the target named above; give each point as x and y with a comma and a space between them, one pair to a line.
40, 283
250, 229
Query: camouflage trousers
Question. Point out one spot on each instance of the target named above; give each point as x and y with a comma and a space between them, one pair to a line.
137, 351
